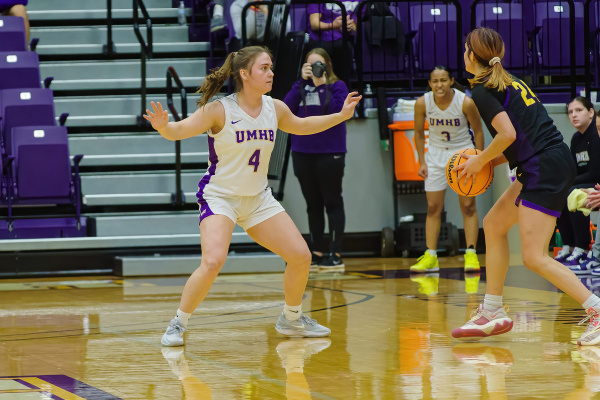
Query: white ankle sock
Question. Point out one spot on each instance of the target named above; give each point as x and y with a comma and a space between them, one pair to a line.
492, 302
577, 251
592, 302
292, 313
432, 252
218, 11
183, 317
564, 251
470, 251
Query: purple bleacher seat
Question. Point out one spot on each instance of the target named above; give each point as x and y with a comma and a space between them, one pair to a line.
41, 171
299, 17
12, 34
43, 228
435, 40
24, 107
507, 20
553, 40
19, 69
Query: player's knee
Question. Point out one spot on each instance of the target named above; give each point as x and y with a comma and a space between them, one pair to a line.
469, 210
434, 210
492, 227
533, 261
212, 264
299, 257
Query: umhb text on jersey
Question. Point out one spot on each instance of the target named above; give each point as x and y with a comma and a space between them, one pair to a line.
256, 134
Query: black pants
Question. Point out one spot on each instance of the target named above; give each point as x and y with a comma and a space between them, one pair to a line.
320, 177
574, 227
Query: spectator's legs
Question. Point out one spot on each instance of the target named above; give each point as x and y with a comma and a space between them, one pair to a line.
330, 172
305, 171
20, 11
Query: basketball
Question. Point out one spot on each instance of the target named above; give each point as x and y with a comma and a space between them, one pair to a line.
482, 181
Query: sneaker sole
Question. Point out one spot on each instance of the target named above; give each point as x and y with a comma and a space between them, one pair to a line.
471, 334
471, 269
337, 268
171, 344
424, 271
590, 343
294, 333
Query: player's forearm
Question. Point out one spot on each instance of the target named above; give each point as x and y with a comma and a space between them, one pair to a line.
316, 124
420, 144
496, 147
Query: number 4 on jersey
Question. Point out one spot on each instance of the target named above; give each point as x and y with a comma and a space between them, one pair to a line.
255, 160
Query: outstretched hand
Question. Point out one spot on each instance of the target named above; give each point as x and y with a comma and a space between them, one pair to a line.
159, 118
349, 105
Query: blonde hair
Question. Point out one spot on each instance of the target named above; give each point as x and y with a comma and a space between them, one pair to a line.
236, 61
331, 77
486, 44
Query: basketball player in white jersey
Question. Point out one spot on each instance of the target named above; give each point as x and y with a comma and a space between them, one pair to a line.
449, 113
241, 132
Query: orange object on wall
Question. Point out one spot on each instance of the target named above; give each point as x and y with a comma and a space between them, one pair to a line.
407, 165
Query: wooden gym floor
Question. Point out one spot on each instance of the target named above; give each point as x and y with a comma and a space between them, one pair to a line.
83, 338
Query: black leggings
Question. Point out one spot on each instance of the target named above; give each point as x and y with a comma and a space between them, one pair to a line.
574, 227
320, 176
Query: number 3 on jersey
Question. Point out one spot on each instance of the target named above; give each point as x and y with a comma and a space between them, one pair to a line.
254, 160
528, 97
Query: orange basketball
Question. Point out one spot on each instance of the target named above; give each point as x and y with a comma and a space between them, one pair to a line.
482, 181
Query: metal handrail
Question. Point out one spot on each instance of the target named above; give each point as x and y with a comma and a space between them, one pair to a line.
109, 48
145, 49
178, 198
271, 4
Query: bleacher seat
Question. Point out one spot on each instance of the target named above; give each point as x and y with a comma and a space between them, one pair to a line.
24, 107
435, 40
553, 41
19, 69
507, 20
12, 34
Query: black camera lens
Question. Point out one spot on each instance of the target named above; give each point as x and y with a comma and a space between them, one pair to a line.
318, 69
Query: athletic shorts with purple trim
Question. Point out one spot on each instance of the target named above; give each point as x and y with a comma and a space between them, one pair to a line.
547, 178
246, 211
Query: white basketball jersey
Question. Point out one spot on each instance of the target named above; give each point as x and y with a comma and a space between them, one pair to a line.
448, 128
239, 154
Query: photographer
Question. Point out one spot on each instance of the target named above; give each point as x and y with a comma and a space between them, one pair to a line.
319, 159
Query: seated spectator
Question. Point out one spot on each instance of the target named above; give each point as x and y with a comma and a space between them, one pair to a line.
319, 160
217, 22
574, 227
16, 8
326, 32
256, 19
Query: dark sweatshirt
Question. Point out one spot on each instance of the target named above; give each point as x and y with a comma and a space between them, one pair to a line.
585, 148
332, 140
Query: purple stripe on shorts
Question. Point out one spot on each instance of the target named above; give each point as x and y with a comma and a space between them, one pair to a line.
205, 210
537, 207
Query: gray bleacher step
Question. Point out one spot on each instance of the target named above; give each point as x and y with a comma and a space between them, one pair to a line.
111, 110
112, 242
122, 188
135, 149
113, 74
185, 265
52, 5
98, 11
90, 39
156, 223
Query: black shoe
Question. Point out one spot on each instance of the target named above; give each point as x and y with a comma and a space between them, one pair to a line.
316, 259
332, 263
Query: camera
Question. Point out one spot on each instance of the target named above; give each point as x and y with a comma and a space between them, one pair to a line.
318, 69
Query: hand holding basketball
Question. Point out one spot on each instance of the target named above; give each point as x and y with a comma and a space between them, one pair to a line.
466, 175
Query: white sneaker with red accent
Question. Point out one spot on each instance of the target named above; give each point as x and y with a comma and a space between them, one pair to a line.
591, 336
484, 323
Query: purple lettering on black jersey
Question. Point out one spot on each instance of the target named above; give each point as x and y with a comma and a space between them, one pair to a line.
262, 134
271, 135
239, 136
251, 135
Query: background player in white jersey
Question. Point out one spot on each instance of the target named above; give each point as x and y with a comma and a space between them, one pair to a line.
449, 113
241, 129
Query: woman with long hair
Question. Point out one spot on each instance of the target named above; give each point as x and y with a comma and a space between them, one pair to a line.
525, 137
241, 132
319, 160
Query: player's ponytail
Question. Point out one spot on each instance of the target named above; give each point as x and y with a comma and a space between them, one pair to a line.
236, 61
487, 47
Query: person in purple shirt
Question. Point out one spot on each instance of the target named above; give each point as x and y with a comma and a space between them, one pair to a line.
325, 32
319, 160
